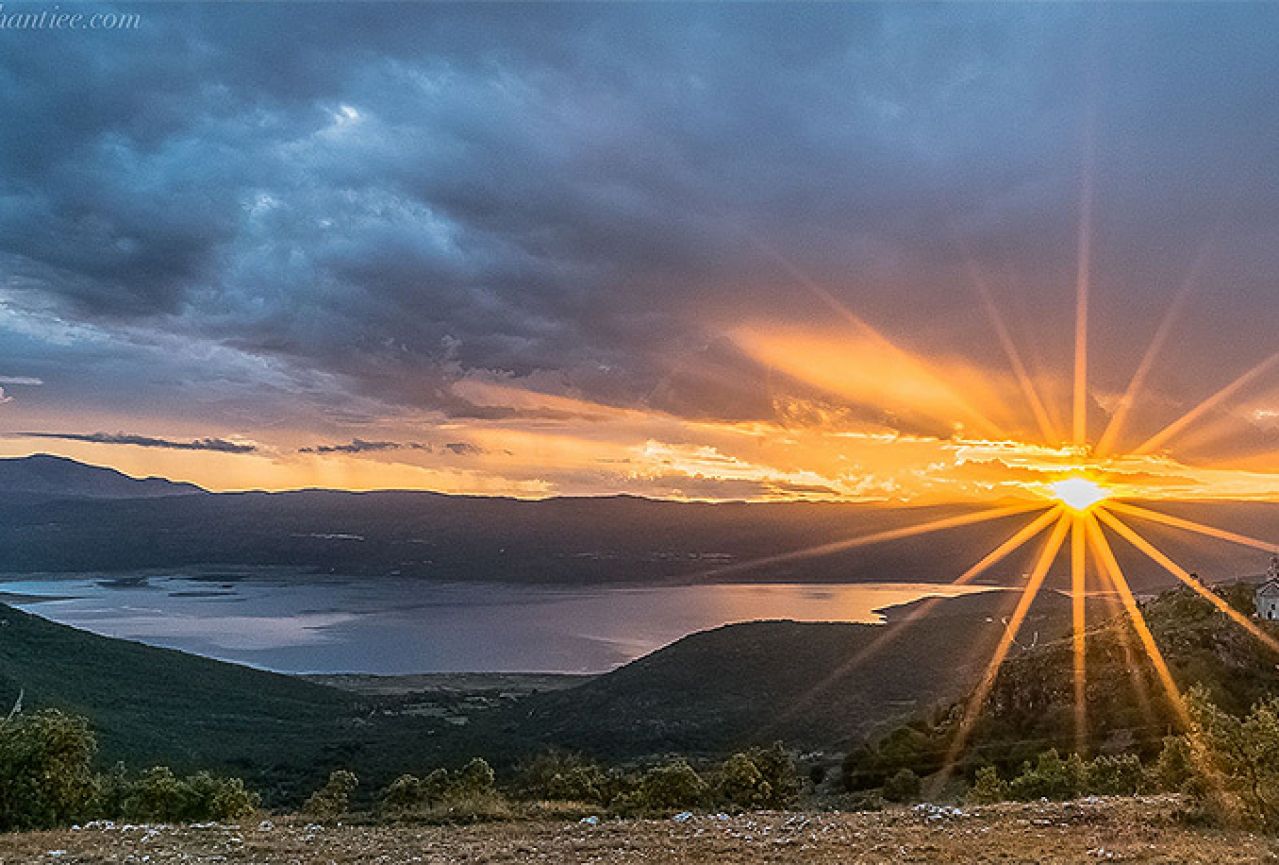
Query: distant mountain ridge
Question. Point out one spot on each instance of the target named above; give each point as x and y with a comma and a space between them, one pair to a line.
57, 515
60, 477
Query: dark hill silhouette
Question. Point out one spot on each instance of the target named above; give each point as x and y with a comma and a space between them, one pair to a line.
58, 477
67, 522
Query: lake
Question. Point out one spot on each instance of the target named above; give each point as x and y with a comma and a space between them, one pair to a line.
299, 623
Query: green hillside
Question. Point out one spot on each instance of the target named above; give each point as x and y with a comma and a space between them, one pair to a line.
798, 682
1031, 705
152, 705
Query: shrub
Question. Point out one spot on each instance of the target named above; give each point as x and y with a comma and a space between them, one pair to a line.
46, 775
561, 776
668, 787
1235, 773
1120, 775
1174, 769
904, 786
334, 798
780, 773
476, 777
405, 794
988, 788
466, 794
1050, 778
742, 785
158, 794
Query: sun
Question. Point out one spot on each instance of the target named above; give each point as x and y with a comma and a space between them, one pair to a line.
1078, 493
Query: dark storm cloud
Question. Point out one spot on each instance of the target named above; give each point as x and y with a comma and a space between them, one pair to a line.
398, 196
205, 444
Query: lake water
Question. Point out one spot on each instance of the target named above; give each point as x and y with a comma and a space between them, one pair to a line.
305, 623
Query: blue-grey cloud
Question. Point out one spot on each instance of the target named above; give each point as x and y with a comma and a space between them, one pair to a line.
204, 444
329, 202
361, 446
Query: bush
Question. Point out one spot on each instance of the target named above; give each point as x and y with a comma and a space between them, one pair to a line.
467, 794
561, 776
159, 795
988, 788
1174, 769
334, 798
476, 777
780, 773
904, 786
671, 786
908, 747
1120, 775
405, 794
742, 785
46, 770
1050, 778
1234, 771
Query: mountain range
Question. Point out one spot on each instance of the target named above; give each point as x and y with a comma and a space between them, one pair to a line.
57, 515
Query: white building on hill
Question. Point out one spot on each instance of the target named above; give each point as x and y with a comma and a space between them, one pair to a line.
1267, 597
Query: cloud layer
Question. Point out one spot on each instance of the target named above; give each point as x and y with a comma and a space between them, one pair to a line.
359, 223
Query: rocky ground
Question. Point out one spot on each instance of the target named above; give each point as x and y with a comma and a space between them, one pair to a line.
1144, 830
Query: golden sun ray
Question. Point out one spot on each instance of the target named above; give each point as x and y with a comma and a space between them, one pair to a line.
1121, 529
1162, 437
972, 710
1046, 427
1114, 428
1191, 526
861, 326
1079, 628
1110, 566
896, 629
1116, 611
875, 538
1083, 278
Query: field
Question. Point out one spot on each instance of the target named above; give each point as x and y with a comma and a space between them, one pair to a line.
1133, 830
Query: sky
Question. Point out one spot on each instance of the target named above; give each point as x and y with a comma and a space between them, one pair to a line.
709, 251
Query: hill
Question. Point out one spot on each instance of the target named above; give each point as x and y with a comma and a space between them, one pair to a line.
808, 684
1031, 705
707, 693
152, 705
50, 476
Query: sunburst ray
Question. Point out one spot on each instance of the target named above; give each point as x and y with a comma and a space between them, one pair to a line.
1079, 629
1118, 418
972, 709
1037, 408
1083, 278
1110, 565
1122, 529
1161, 438
1190, 526
875, 538
892, 631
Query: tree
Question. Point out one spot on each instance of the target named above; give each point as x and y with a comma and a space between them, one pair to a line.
334, 798
904, 786
46, 770
1233, 758
664, 788
988, 788
741, 784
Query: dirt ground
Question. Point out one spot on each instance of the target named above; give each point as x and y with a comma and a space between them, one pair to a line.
1145, 831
